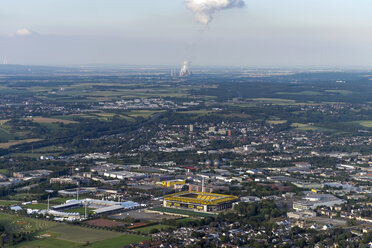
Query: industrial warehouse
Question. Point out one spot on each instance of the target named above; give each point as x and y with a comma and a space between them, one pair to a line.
199, 201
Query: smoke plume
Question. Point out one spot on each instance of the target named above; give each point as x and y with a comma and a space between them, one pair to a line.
205, 9
185, 69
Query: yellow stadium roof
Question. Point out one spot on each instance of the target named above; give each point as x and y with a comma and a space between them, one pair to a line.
200, 198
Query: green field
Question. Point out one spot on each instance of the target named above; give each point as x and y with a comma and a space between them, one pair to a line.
302, 93
8, 203
23, 197
48, 243
5, 135
81, 234
196, 112
16, 224
182, 212
52, 234
36, 206
147, 229
118, 242
276, 122
275, 101
303, 127
341, 92
141, 113
54, 242
364, 123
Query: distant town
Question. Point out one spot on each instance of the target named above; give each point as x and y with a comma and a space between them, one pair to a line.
270, 159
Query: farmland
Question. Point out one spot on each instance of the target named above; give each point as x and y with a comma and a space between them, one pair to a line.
17, 142
50, 120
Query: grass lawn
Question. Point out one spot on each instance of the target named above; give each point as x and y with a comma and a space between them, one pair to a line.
17, 142
53, 242
141, 113
48, 243
5, 135
147, 229
302, 93
81, 234
64, 235
341, 92
276, 122
118, 242
364, 123
196, 112
51, 120
278, 101
184, 220
36, 206
23, 197
8, 202
16, 224
304, 127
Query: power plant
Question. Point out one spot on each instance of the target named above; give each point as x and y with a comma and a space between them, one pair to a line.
4, 60
184, 72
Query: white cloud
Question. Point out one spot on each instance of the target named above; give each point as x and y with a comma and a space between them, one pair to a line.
23, 32
204, 9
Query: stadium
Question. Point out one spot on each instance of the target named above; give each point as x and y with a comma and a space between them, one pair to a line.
199, 201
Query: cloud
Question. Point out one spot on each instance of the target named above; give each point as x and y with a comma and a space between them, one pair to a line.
23, 32
205, 9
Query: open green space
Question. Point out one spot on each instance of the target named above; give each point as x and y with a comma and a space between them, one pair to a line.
196, 112
364, 123
14, 224
11, 143
48, 243
276, 122
275, 101
182, 212
81, 234
304, 127
23, 197
6, 135
55, 242
141, 113
40, 206
302, 93
8, 203
341, 92
147, 229
118, 242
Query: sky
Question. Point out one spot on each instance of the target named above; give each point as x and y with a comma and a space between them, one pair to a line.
265, 33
